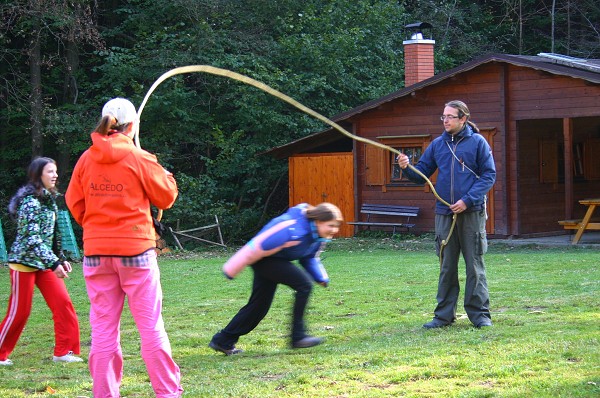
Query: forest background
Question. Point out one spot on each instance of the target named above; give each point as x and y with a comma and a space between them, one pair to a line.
60, 61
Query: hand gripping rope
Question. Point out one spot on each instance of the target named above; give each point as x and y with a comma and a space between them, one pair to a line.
245, 79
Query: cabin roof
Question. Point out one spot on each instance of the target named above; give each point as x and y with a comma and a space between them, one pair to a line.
557, 64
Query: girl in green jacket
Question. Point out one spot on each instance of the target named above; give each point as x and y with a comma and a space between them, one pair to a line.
35, 259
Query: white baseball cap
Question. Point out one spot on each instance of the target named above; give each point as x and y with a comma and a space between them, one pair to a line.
121, 109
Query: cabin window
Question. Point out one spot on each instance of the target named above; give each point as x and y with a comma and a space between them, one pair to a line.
586, 162
381, 166
413, 147
397, 177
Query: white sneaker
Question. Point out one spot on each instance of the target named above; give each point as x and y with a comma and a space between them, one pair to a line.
6, 362
69, 357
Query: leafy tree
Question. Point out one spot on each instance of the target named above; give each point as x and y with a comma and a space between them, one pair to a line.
39, 73
211, 131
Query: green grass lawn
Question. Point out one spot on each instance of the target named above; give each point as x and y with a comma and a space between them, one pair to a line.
545, 341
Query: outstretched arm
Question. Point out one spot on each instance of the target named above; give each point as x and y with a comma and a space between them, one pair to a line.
262, 245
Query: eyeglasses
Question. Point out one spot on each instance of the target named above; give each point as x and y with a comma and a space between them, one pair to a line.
449, 117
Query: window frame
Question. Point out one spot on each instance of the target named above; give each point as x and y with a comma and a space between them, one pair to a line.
421, 141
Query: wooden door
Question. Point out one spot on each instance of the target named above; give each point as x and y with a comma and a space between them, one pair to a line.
324, 177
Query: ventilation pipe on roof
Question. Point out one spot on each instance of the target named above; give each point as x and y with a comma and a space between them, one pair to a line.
418, 54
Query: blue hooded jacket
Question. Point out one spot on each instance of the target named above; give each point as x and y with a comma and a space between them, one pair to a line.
465, 165
305, 231
290, 236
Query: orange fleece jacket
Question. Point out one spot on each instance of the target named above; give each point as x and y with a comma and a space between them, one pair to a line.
111, 189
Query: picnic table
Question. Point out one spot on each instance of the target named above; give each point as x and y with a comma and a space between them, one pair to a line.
584, 224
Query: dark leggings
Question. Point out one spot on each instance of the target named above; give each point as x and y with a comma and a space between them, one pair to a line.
268, 273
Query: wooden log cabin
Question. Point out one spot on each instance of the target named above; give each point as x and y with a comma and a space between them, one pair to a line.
540, 114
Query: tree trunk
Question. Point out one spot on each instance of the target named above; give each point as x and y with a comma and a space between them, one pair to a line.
70, 88
552, 17
520, 27
35, 79
70, 95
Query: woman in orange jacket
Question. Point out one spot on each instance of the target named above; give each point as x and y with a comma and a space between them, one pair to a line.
110, 193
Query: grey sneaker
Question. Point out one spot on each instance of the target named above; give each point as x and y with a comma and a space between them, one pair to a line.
6, 362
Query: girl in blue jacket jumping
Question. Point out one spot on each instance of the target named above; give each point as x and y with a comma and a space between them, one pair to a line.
299, 234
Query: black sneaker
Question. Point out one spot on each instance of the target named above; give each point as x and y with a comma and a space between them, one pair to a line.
306, 342
228, 352
436, 323
484, 323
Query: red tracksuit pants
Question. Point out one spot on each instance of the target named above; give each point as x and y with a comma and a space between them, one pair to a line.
66, 325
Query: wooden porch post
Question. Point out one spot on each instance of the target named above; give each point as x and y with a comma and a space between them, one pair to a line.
568, 151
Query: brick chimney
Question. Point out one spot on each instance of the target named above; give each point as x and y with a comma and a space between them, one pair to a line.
418, 55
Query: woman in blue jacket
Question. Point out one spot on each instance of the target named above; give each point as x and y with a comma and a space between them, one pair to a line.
299, 234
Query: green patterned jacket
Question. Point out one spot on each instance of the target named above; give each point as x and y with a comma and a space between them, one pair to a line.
35, 244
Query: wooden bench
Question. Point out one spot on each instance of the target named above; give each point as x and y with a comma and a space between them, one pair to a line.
570, 224
385, 211
584, 224
580, 226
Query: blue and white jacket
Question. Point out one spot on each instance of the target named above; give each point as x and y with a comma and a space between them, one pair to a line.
290, 236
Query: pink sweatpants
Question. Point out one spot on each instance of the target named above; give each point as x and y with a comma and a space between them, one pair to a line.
108, 281
66, 325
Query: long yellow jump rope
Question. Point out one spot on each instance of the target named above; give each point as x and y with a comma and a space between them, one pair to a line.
245, 79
